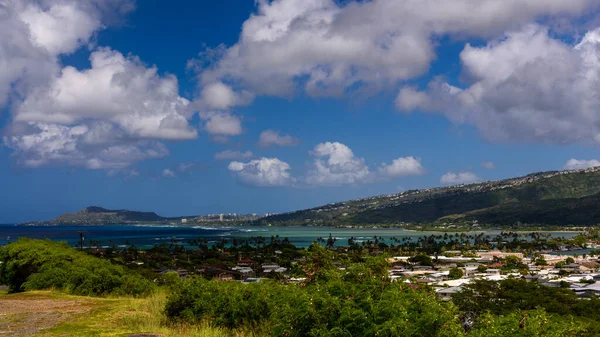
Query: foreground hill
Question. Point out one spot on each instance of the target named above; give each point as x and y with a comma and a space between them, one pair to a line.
557, 198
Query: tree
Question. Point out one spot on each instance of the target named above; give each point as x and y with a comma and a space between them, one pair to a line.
455, 273
422, 260
569, 260
541, 261
481, 268
512, 262
330, 241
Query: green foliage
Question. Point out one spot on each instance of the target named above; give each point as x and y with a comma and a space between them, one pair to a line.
569, 199
171, 279
511, 296
359, 301
422, 259
41, 264
525, 324
341, 306
455, 273
513, 262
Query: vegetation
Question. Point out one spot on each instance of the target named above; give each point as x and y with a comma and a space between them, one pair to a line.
512, 297
548, 198
33, 264
344, 293
455, 273
358, 302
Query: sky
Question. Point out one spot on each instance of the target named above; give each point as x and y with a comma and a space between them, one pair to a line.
196, 107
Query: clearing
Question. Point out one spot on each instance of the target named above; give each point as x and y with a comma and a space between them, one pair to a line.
52, 313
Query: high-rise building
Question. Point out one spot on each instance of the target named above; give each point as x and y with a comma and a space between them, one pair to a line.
221, 217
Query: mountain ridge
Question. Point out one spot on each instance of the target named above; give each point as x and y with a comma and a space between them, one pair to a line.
453, 203
553, 197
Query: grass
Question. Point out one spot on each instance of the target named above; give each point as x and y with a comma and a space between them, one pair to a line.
121, 317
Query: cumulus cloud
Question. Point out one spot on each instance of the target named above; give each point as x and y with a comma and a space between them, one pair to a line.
527, 86
270, 137
230, 154
116, 89
336, 164
452, 178
106, 117
402, 167
39, 144
575, 164
263, 172
488, 165
332, 48
34, 33
102, 117
410, 98
221, 96
221, 124
168, 173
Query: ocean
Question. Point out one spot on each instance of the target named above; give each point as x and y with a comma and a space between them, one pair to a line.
147, 236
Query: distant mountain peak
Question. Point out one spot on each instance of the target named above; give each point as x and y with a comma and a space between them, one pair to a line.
95, 215
96, 209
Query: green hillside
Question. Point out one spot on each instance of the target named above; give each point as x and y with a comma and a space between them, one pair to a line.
99, 215
545, 198
579, 212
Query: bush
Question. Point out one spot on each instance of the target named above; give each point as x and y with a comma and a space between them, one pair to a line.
455, 273
360, 301
41, 264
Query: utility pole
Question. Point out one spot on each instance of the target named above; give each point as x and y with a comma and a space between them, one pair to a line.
80, 240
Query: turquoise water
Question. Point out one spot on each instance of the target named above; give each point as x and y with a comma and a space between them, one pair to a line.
150, 235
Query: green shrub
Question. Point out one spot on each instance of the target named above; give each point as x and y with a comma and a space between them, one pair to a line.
357, 302
41, 264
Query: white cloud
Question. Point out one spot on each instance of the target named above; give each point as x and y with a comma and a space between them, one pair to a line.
39, 144
115, 89
222, 97
452, 178
488, 165
229, 154
34, 33
221, 124
263, 172
574, 164
528, 86
270, 137
118, 105
410, 99
335, 164
105, 117
402, 167
60, 29
168, 173
331, 49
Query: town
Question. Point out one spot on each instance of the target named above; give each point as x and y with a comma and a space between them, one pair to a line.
444, 263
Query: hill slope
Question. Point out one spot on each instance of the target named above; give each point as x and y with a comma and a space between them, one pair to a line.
97, 215
546, 198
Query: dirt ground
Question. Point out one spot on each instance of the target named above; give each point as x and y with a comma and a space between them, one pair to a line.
22, 315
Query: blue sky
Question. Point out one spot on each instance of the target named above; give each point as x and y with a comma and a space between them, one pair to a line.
194, 107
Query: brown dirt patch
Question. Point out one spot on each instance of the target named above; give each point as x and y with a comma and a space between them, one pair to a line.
8, 306
24, 315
